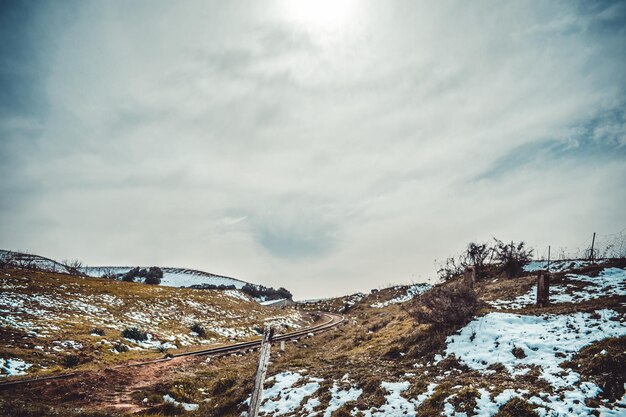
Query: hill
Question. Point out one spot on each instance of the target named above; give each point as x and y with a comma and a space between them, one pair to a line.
53, 321
416, 350
171, 277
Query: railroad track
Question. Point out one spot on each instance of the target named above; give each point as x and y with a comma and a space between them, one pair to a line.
333, 320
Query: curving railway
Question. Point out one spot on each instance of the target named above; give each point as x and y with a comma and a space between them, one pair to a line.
331, 320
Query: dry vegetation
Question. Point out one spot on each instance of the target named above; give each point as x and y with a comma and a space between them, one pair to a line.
55, 321
375, 345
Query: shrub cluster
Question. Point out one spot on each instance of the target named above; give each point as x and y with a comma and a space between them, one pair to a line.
212, 287
507, 258
259, 291
446, 305
150, 275
135, 333
71, 361
197, 328
97, 330
254, 291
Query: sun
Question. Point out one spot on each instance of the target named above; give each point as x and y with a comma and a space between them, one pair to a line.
319, 14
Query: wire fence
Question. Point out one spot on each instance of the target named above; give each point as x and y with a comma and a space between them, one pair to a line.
596, 246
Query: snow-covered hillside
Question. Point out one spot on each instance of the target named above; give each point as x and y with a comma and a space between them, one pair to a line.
30, 261
45, 317
511, 359
172, 277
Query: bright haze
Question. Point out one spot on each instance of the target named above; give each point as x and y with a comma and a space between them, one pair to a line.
327, 146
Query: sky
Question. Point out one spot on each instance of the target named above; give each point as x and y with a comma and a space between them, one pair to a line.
327, 146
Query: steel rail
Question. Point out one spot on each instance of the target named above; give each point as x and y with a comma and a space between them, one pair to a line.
335, 320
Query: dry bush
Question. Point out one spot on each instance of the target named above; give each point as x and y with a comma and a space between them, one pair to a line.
465, 400
517, 407
446, 306
135, 333
604, 363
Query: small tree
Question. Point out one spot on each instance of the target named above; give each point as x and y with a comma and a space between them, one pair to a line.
153, 275
73, 266
512, 257
152, 280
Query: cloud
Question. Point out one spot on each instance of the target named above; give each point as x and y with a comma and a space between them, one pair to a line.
233, 138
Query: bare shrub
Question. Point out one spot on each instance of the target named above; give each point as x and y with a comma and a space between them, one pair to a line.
517, 407
198, 329
71, 361
497, 258
512, 257
446, 306
135, 333
73, 266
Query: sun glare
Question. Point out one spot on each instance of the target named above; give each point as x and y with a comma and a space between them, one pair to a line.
323, 14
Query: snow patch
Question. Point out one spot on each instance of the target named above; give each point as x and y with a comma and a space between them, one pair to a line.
411, 292
13, 367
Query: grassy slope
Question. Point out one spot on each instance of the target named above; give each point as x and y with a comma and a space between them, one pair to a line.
377, 344
46, 310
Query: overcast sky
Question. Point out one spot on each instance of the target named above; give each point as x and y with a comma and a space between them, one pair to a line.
327, 146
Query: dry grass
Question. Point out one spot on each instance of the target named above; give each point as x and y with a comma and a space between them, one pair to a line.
385, 345
45, 310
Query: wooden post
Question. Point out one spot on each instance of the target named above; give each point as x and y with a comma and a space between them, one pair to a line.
548, 266
591, 254
282, 345
543, 289
469, 276
264, 359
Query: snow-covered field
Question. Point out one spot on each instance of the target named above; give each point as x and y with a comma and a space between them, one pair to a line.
608, 283
172, 277
32, 261
544, 344
540, 343
556, 266
411, 292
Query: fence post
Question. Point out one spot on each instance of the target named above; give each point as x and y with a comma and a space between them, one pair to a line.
543, 289
593, 242
264, 359
469, 276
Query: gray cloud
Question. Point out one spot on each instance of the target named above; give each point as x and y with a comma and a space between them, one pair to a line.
350, 155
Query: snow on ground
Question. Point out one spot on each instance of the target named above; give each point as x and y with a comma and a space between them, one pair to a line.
270, 302
238, 295
340, 397
353, 299
188, 407
32, 261
172, 277
395, 404
555, 266
412, 292
283, 397
45, 315
491, 339
609, 282
152, 343
13, 367
288, 390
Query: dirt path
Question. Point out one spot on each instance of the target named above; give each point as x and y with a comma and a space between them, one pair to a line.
105, 389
